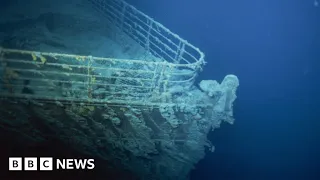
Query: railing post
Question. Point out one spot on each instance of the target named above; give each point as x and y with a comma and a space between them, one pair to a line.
89, 69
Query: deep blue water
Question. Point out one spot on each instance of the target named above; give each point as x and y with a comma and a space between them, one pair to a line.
273, 46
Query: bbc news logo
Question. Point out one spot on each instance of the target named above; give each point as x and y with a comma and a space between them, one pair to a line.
47, 164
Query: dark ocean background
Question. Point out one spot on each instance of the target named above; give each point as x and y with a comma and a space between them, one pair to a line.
273, 46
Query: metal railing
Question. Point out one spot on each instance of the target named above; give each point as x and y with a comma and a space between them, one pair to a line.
73, 78
149, 33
